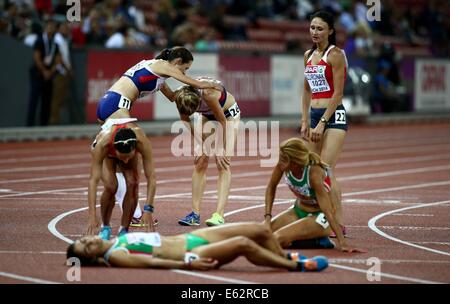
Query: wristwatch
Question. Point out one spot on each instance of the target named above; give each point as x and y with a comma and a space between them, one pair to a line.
322, 119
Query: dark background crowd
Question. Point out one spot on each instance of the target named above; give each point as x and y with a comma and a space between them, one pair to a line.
415, 27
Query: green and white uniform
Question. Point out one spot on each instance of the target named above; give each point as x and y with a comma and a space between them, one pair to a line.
144, 242
305, 193
136, 243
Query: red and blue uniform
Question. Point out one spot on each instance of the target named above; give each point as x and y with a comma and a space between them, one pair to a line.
145, 80
320, 81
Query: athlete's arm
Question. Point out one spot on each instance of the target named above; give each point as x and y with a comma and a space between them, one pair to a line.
305, 104
145, 148
211, 97
165, 68
324, 200
98, 154
271, 188
165, 89
121, 258
337, 60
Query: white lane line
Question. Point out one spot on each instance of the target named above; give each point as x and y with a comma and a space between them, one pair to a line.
433, 243
386, 275
236, 163
372, 226
412, 214
213, 277
396, 150
407, 160
25, 278
406, 227
386, 261
397, 172
30, 252
52, 225
370, 201
415, 186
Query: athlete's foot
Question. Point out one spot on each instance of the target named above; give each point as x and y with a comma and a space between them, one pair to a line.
317, 263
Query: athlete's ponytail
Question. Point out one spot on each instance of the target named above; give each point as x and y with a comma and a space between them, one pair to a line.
297, 152
174, 53
164, 55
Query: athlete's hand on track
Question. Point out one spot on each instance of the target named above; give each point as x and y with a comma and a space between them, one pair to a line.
93, 226
203, 264
352, 250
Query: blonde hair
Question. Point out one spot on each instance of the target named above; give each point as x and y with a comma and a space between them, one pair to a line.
187, 99
297, 152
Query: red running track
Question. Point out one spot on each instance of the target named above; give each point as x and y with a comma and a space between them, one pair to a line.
396, 191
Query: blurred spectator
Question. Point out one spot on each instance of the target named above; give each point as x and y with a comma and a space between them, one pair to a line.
360, 42
186, 35
34, 32
61, 82
207, 41
12, 18
387, 24
385, 99
387, 52
304, 9
45, 59
43, 8
166, 15
347, 19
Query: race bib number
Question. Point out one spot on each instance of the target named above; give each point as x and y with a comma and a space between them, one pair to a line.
234, 110
315, 75
124, 103
322, 221
340, 117
189, 257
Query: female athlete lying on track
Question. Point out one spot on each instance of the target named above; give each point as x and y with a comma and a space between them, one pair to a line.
314, 211
200, 249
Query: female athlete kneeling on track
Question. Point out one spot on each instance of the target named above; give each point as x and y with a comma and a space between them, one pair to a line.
200, 249
313, 212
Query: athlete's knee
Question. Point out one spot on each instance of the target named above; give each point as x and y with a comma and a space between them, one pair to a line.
132, 181
201, 163
264, 230
245, 244
284, 242
110, 187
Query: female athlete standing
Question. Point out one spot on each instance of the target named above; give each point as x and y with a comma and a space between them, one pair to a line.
324, 122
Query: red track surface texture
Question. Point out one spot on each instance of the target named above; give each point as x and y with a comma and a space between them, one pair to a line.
396, 198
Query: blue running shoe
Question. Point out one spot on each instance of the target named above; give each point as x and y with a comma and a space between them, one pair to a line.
325, 242
105, 233
317, 263
122, 232
192, 219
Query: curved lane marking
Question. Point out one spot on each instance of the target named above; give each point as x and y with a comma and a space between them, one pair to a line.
372, 225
